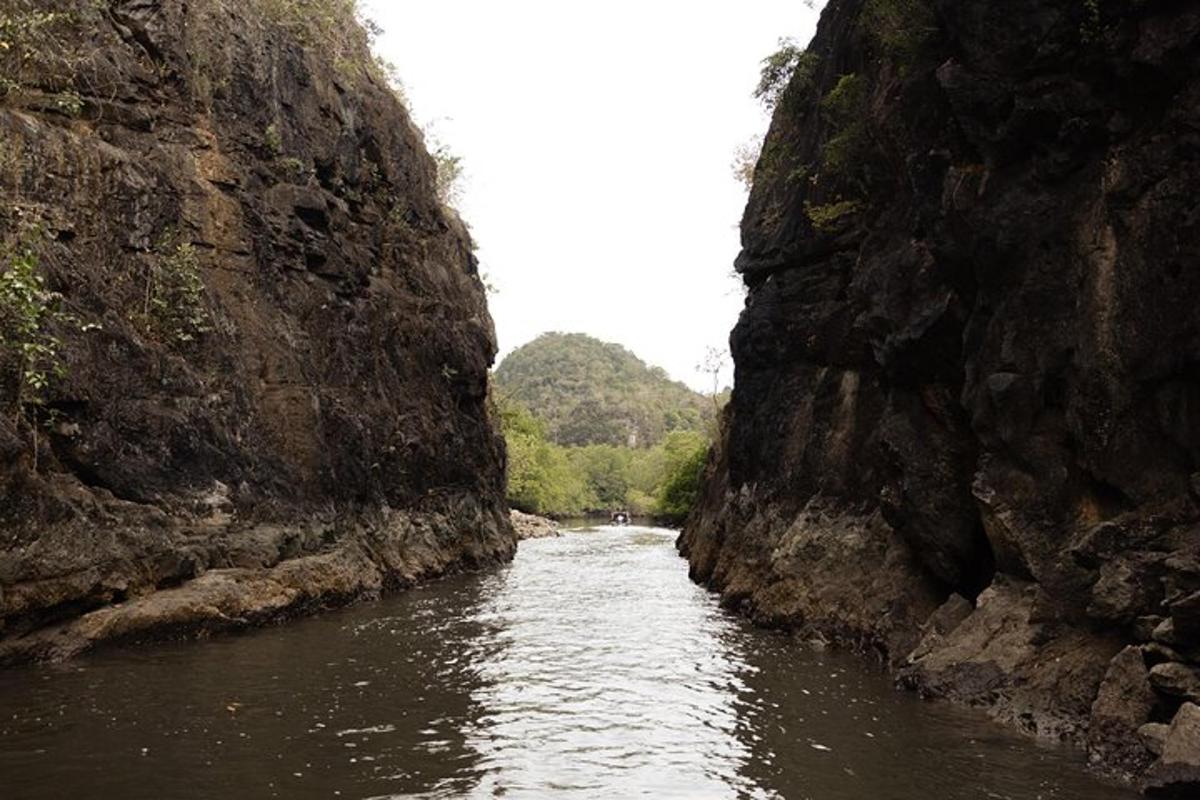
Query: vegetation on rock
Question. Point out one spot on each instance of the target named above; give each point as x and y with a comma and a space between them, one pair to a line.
791, 68
174, 309
30, 351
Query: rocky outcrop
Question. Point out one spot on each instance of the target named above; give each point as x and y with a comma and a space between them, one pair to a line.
531, 526
273, 394
969, 362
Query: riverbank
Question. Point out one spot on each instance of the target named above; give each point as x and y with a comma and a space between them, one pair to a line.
590, 667
238, 579
262, 344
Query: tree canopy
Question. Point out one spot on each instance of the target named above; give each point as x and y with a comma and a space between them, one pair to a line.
588, 392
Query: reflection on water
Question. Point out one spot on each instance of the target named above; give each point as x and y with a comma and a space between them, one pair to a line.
590, 667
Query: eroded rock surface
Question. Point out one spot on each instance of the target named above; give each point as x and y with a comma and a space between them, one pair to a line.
969, 362
531, 526
323, 435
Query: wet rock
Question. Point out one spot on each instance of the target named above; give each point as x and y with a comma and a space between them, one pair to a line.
999, 657
1122, 707
1177, 680
949, 616
531, 526
1176, 774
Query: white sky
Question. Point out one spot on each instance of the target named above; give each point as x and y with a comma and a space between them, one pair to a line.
597, 139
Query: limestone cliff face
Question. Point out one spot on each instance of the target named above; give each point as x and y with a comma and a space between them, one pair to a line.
966, 423
321, 433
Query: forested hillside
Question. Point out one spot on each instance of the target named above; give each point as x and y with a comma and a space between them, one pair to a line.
591, 427
585, 391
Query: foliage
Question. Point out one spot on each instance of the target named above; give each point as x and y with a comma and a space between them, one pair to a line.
37, 52
1091, 30
336, 28
1100, 19
295, 169
606, 472
273, 139
540, 477
174, 308
844, 108
902, 28
745, 159
547, 478
590, 392
715, 360
30, 352
790, 68
686, 454
828, 217
449, 175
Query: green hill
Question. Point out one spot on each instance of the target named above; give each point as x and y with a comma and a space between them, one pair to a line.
585, 391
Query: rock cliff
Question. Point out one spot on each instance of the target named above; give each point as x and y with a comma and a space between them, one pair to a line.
265, 383
965, 431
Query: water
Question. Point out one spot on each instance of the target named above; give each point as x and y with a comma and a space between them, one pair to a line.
590, 668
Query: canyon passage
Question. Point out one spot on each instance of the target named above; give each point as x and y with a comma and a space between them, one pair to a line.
248, 372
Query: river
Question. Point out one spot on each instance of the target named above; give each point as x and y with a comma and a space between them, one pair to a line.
589, 668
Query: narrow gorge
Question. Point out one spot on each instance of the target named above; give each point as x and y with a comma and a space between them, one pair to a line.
249, 371
262, 380
965, 429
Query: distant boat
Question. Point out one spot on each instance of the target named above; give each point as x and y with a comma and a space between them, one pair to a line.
619, 518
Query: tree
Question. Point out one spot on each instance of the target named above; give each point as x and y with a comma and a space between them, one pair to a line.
745, 160
541, 479
712, 364
686, 455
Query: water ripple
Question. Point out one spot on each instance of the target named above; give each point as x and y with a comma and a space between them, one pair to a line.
589, 668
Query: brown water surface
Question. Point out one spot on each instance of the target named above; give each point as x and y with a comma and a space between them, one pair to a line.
589, 668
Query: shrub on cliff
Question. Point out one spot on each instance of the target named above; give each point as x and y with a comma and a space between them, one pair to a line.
902, 28
339, 29
844, 108
30, 352
174, 308
791, 67
449, 174
38, 53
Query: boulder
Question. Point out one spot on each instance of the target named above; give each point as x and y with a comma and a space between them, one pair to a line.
1176, 774
1177, 680
531, 526
1122, 707
1153, 736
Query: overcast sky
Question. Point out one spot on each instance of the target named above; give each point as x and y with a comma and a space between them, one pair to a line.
597, 139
